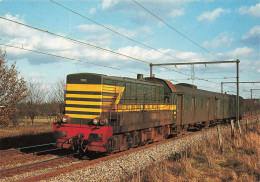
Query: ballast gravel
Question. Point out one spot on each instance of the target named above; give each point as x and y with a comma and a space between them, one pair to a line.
118, 168
35, 173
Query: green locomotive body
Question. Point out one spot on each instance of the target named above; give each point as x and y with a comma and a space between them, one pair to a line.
105, 113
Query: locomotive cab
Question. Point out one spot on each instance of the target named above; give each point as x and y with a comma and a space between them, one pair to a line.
83, 127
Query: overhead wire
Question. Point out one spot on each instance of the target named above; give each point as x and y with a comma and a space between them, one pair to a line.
94, 46
97, 47
73, 40
64, 57
124, 36
171, 27
78, 60
120, 34
40, 24
212, 78
73, 59
114, 31
128, 39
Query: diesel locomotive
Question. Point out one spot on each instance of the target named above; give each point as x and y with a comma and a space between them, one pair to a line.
108, 114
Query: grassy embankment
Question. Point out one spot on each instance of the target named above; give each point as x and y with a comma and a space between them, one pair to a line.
24, 127
24, 133
238, 162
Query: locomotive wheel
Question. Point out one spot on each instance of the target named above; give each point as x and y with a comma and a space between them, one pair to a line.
109, 145
129, 143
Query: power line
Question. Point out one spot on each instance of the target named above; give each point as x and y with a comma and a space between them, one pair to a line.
94, 46
114, 31
110, 29
82, 43
175, 29
213, 78
86, 62
40, 24
64, 57
79, 42
124, 36
73, 59
73, 40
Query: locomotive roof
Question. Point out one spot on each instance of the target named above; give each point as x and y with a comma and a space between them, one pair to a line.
166, 83
189, 89
143, 81
182, 88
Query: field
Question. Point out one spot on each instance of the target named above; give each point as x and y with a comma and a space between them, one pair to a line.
238, 162
23, 133
24, 127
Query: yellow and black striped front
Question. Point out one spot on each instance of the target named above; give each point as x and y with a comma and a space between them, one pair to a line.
87, 97
83, 97
83, 102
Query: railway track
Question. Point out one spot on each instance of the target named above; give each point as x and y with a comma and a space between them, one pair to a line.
37, 170
108, 158
10, 158
14, 162
10, 172
85, 164
17, 151
13, 173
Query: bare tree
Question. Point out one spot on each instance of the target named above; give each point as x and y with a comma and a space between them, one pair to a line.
59, 90
12, 90
36, 97
57, 96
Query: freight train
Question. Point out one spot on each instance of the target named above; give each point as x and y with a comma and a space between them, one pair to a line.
109, 114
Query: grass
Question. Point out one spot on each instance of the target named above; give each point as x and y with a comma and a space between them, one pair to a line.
238, 162
25, 130
24, 127
25, 134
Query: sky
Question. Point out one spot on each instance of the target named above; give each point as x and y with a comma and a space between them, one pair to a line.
49, 39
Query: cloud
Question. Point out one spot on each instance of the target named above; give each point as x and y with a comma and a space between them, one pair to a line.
101, 36
162, 8
211, 16
176, 12
97, 35
108, 3
252, 10
252, 36
222, 40
12, 29
23, 37
96, 29
88, 28
256, 65
92, 11
241, 52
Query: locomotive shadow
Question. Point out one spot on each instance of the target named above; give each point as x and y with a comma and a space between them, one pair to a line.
26, 140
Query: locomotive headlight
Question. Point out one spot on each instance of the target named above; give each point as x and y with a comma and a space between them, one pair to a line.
95, 121
103, 121
63, 118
